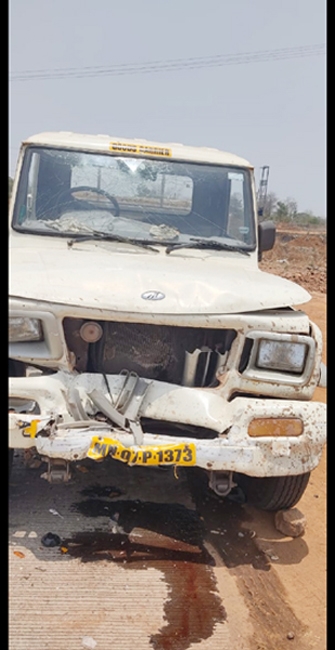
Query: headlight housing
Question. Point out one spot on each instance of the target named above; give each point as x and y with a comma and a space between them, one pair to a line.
284, 356
280, 358
24, 329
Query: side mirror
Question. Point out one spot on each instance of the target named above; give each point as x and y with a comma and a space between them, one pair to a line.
266, 237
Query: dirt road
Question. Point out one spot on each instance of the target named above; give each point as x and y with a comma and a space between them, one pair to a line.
299, 256
149, 560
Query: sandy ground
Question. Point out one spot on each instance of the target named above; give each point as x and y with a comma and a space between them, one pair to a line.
299, 256
301, 567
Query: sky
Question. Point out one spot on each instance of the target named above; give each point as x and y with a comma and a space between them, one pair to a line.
271, 112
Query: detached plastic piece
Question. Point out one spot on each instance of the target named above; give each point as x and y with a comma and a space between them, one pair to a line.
51, 539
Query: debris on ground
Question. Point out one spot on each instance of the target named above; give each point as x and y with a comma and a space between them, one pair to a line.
114, 526
50, 540
55, 512
270, 554
88, 642
291, 523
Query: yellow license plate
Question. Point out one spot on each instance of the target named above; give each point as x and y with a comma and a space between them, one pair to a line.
183, 454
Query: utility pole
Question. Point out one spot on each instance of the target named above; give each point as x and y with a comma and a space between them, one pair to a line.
262, 190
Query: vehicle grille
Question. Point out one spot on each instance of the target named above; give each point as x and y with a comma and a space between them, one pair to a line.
178, 355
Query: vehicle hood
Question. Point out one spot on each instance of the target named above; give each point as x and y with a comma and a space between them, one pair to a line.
114, 276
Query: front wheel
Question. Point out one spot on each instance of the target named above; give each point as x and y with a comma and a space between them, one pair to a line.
273, 492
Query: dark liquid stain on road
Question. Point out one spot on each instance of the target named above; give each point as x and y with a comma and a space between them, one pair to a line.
192, 609
179, 542
227, 524
169, 538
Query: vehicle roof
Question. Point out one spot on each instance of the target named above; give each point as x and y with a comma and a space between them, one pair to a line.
150, 148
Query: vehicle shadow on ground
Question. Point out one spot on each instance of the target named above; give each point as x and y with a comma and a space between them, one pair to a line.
128, 529
240, 533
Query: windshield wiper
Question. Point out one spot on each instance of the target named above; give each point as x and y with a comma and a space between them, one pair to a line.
101, 236
206, 243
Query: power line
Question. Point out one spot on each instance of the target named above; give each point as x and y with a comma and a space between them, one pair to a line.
172, 61
170, 64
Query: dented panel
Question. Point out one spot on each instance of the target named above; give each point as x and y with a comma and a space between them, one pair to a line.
57, 434
194, 282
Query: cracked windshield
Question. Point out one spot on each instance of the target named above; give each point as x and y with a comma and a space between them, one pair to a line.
146, 200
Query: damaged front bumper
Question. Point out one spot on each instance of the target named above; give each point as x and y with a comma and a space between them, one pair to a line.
254, 436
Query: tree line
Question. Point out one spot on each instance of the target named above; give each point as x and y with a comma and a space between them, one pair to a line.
286, 211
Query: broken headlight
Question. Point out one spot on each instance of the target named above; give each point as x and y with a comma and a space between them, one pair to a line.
287, 358
24, 329
284, 356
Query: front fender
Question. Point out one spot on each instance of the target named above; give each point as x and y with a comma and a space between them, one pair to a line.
323, 376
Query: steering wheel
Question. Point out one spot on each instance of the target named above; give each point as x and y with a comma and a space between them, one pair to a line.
86, 204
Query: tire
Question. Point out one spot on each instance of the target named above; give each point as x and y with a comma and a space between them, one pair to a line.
274, 492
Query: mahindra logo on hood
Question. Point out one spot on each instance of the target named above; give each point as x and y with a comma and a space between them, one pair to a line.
153, 295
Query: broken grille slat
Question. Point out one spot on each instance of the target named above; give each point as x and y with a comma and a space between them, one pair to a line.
184, 356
